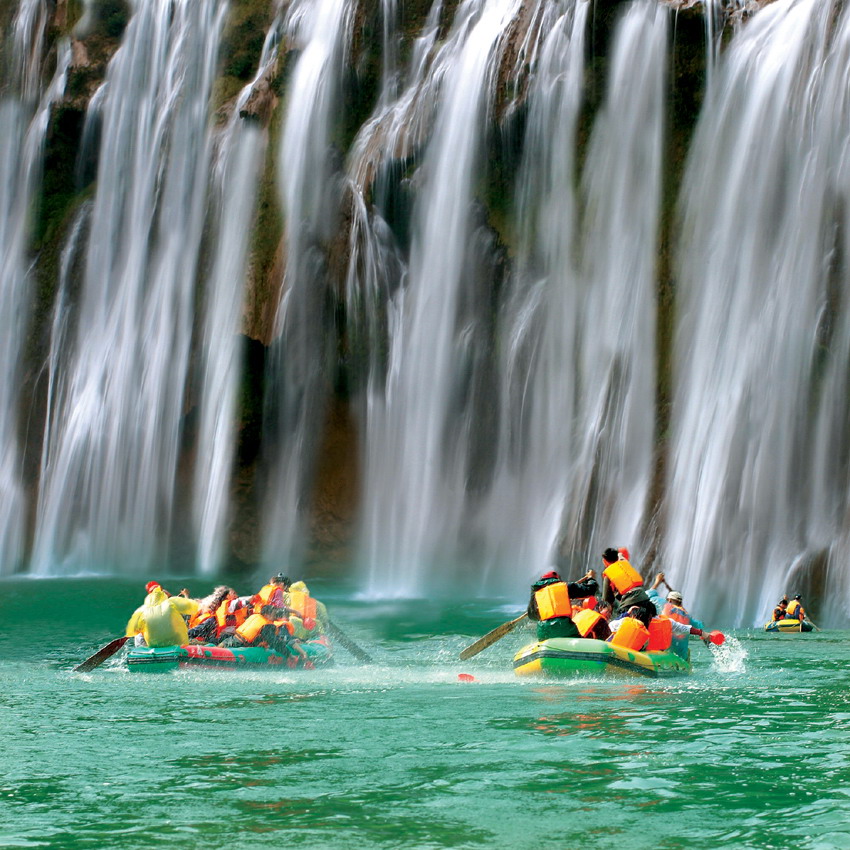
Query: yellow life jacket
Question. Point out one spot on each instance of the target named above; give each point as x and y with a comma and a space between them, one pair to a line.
792, 611
553, 600
585, 620
623, 576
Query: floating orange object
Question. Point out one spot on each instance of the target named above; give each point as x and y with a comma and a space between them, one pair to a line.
465, 677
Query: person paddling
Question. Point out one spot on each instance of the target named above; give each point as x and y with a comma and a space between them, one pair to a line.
550, 603
684, 624
159, 621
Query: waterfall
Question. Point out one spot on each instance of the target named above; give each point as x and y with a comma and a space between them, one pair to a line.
617, 338
540, 322
24, 115
13, 279
758, 471
579, 376
414, 506
107, 495
298, 376
241, 149
472, 269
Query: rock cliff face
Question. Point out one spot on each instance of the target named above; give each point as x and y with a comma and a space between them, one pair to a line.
373, 162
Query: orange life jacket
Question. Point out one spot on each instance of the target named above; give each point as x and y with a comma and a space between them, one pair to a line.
250, 629
660, 634
679, 643
553, 600
585, 620
199, 617
623, 576
302, 602
632, 634
225, 618
793, 612
674, 612
264, 595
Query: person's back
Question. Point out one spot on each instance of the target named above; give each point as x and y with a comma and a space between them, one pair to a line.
550, 603
160, 619
795, 609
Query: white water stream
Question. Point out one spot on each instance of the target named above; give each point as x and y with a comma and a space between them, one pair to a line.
107, 492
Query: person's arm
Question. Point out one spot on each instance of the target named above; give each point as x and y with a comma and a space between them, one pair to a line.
184, 606
584, 587
532, 611
136, 623
679, 628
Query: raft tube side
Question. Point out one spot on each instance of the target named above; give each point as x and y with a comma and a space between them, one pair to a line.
788, 626
563, 657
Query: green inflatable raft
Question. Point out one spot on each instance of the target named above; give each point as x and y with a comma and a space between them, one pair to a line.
145, 659
563, 657
789, 625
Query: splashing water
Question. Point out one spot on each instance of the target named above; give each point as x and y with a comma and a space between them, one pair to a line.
729, 657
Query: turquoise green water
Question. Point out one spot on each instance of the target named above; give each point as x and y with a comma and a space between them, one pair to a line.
753, 750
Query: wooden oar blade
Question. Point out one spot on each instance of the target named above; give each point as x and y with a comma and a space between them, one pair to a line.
101, 655
491, 637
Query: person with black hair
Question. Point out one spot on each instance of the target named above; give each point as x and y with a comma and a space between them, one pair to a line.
550, 604
627, 586
780, 611
795, 609
272, 593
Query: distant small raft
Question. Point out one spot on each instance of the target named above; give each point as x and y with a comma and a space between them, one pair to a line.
563, 657
789, 626
145, 659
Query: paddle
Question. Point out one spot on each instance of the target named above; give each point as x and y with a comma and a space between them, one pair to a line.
491, 637
342, 638
101, 655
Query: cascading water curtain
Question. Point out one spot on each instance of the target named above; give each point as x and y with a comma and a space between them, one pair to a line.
298, 374
540, 322
241, 150
414, 505
24, 114
107, 492
621, 193
758, 475
13, 278
579, 394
